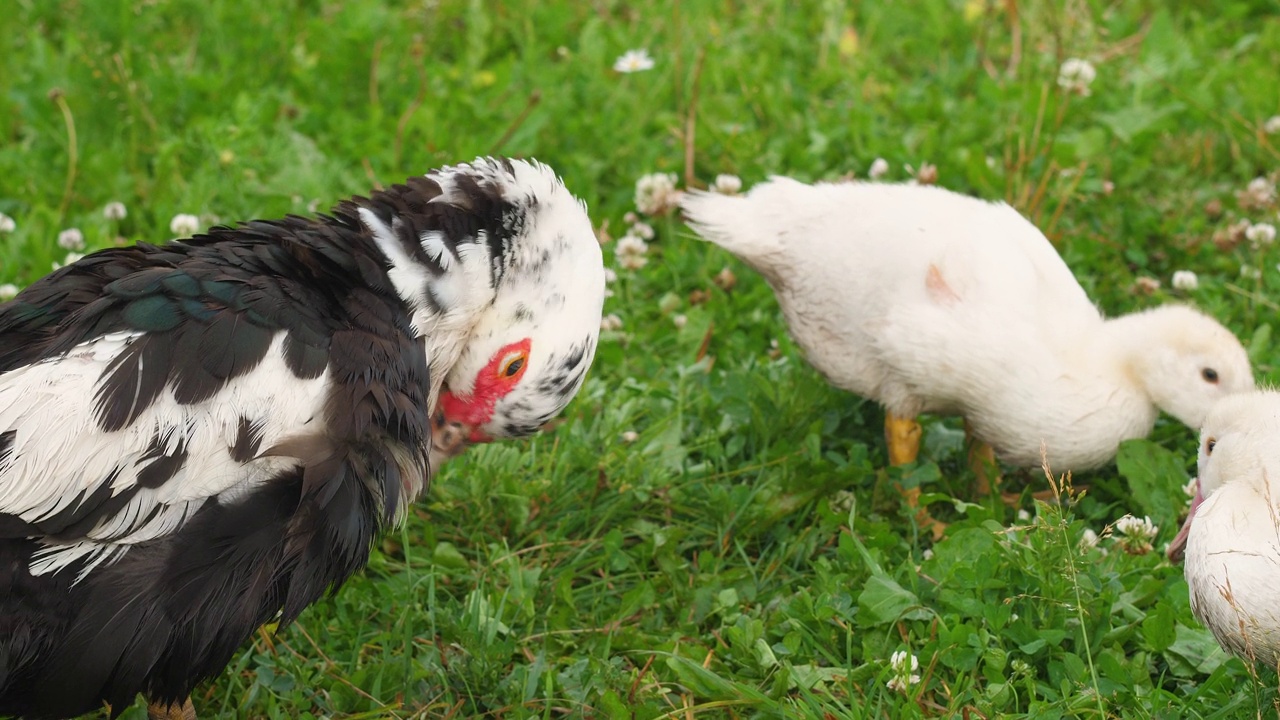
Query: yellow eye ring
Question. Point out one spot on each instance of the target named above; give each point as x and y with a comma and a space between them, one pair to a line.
511, 366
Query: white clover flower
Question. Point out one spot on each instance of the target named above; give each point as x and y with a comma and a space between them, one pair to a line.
632, 262
1251, 273
630, 218
184, 225
633, 61
630, 252
1023, 515
7, 225
928, 174
1133, 527
1272, 125
656, 193
1146, 285
8, 291
114, 210
843, 501
70, 258
680, 321
1088, 539
610, 322
631, 245
1257, 195
642, 230
610, 276
727, 184
1185, 280
71, 239
1260, 235
879, 167
1190, 488
904, 667
1135, 535
1076, 75
927, 554
1262, 187
630, 436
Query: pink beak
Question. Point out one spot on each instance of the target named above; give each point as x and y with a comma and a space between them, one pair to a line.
449, 438
1178, 547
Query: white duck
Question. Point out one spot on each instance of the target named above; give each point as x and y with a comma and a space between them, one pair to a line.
930, 301
1231, 539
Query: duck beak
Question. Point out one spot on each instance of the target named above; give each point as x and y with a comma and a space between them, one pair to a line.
449, 438
1178, 547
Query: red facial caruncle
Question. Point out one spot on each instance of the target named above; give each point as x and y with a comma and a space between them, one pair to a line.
497, 378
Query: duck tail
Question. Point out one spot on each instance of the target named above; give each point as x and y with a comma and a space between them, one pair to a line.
745, 225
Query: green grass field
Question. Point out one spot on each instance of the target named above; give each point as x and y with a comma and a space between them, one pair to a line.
711, 532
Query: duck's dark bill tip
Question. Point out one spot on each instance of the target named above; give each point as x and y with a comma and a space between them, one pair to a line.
1178, 548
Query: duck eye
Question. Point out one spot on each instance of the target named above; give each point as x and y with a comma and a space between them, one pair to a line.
1209, 375
1209, 445
511, 366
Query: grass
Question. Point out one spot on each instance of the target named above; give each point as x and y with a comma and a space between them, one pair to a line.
745, 556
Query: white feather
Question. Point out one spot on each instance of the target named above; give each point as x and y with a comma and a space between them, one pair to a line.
930, 301
409, 277
60, 452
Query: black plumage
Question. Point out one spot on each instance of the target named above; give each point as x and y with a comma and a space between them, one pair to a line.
172, 611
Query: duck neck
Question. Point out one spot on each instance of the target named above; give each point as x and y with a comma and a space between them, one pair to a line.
1137, 351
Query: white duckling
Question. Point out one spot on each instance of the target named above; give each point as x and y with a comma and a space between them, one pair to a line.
1231, 538
926, 300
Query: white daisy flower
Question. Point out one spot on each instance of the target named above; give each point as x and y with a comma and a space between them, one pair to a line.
633, 61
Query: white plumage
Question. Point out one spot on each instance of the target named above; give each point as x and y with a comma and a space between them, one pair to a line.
60, 453
930, 301
1232, 536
